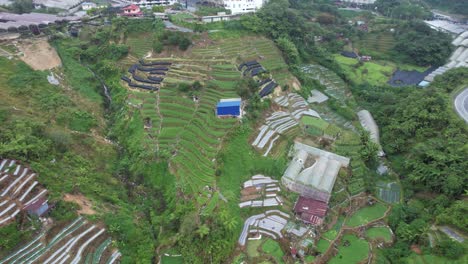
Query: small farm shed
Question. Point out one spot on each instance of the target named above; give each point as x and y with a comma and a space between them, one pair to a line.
229, 107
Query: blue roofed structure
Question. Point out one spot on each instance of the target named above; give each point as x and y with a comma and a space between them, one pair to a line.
229, 107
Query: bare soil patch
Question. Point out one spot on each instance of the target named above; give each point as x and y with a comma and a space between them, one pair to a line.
82, 201
39, 54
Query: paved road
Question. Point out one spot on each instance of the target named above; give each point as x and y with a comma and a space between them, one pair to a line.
461, 104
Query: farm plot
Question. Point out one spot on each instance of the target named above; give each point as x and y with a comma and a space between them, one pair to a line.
272, 248
270, 223
260, 191
381, 232
351, 250
335, 86
366, 215
333, 232
375, 43
183, 126
389, 192
251, 48
140, 44
75, 243
348, 144
281, 122
19, 191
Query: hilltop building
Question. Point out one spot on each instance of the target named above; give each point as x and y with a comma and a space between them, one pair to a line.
88, 6
229, 108
131, 11
151, 3
359, 2
243, 6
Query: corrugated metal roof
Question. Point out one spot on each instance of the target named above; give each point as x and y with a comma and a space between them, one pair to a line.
311, 206
230, 100
228, 104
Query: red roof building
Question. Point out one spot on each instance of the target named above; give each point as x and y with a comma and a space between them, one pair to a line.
310, 211
132, 11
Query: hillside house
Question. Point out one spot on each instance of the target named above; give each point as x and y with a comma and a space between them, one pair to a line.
131, 11
359, 2
88, 6
229, 108
150, 3
243, 6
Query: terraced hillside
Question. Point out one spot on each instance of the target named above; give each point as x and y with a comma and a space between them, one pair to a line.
183, 126
377, 42
250, 48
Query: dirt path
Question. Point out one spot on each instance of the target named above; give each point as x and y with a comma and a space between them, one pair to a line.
158, 101
38, 54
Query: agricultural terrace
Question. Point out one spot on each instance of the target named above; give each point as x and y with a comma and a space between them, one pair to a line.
19, 191
381, 232
75, 242
173, 119
263, 249
351, 250
242, 49
373, 72
376, 43
366, 215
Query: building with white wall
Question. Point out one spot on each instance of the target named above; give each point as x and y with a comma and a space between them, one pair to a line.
360, 2
243, 6
150, 3
88, 6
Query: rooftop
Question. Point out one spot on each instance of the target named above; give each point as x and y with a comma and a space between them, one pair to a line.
229, 103
311, 206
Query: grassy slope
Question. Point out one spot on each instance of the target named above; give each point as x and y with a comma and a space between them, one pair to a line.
356, 251
373, 72
366, 215
379, 232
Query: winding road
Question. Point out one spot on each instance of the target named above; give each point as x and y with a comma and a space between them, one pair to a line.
461, 104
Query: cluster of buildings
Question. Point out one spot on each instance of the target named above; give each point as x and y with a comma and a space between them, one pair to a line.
235, 6
312, 173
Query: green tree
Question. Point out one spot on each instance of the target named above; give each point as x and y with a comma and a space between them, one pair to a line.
203, 230
22, 6
289, 50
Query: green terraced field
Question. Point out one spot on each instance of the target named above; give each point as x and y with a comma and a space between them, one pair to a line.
322, 245
351, 250
139, 45
379, 232
366, 215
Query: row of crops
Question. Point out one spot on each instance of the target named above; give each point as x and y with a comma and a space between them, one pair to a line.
77, 242
250, 48
21, 193
183, 126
